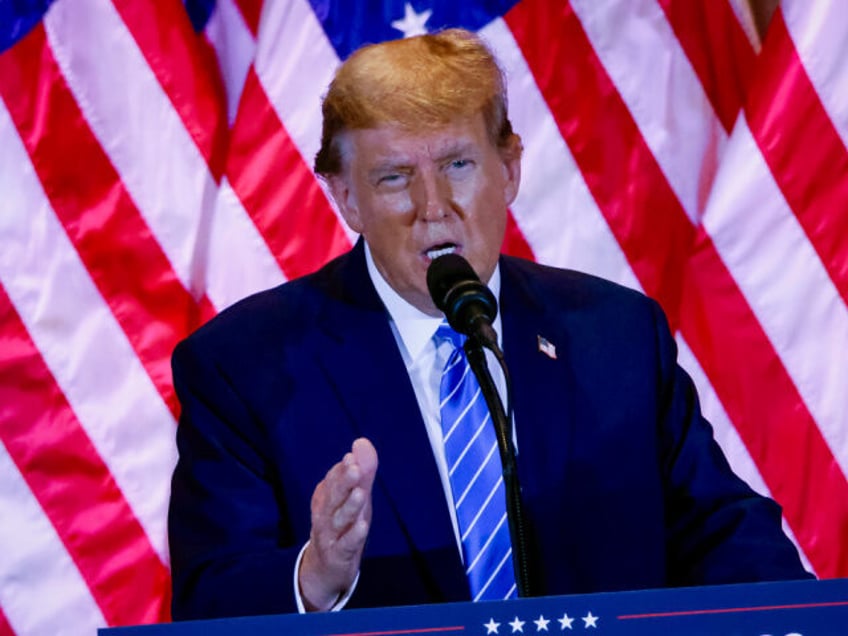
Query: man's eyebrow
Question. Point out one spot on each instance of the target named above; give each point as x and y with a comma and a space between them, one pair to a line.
389, 165
400, 163
455, 150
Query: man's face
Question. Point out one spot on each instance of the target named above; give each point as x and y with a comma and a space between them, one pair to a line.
417, 195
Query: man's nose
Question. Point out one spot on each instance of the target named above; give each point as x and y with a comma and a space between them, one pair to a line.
434, 200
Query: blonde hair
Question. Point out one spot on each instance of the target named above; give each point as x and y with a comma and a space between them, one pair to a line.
420, 82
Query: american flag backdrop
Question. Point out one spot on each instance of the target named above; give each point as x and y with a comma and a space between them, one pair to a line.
155, 167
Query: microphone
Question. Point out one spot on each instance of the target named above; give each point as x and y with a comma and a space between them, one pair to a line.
469, 306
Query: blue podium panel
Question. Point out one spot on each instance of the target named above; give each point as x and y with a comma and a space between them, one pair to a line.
794, 608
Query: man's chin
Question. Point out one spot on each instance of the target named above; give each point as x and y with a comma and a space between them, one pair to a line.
423, 303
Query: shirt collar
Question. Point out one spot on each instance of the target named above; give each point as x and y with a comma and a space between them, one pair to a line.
414, 327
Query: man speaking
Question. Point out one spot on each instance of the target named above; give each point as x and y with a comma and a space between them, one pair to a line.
336, 450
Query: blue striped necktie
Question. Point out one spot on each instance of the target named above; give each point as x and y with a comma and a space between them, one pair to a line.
474, 468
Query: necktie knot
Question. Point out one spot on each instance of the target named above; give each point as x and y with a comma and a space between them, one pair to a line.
446, 332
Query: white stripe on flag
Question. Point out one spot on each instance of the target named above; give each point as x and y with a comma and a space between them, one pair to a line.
295, 58
235, 48
246, 262
136, 125
553, 193
655, 79
83, 346
816, 29
41, 590
787, 287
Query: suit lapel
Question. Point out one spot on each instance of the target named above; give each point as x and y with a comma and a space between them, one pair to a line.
542, 402
363, 362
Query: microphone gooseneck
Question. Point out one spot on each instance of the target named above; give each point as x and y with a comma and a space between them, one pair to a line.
470, 308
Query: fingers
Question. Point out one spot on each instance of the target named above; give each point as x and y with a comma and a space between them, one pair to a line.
349, 510
348, 487
341, 497
347, 549
338, 483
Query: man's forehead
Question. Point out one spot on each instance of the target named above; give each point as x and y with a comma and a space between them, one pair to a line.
390, 142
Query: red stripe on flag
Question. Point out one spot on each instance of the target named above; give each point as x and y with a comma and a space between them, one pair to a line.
125, 262
5, 628
617, 165
767, 411
187, 70
810, 166
514, 242
278, 189
250, 10
718, 50
74, 487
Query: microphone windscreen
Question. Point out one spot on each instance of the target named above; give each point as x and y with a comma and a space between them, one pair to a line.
457, 292
444, 273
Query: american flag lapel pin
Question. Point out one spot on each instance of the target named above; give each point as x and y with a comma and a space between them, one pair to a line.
547, 347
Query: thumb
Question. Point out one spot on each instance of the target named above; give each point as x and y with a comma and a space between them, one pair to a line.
366, 458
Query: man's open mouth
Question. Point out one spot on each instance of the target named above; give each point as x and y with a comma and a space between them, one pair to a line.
440, 250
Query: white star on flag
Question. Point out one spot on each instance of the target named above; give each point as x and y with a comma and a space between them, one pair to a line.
517, 625
590, 621
565, 622
413, 23
541, 623
491, 626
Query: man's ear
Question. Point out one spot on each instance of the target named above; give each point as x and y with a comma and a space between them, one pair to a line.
511, 157
342, 193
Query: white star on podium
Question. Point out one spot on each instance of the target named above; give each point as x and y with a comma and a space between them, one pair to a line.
491, 626
541, 623
517, 625
565, 622
590, 621
412, 23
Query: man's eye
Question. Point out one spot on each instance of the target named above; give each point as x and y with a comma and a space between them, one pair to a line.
393, 179
459, 166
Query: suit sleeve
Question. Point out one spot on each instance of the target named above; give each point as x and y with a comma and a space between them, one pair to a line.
719, 529
226, 530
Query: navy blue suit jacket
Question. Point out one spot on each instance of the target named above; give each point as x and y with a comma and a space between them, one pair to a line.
623, 485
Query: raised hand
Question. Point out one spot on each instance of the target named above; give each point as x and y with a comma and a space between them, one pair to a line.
341, 518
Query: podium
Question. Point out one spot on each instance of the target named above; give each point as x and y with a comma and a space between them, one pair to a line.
792, 608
